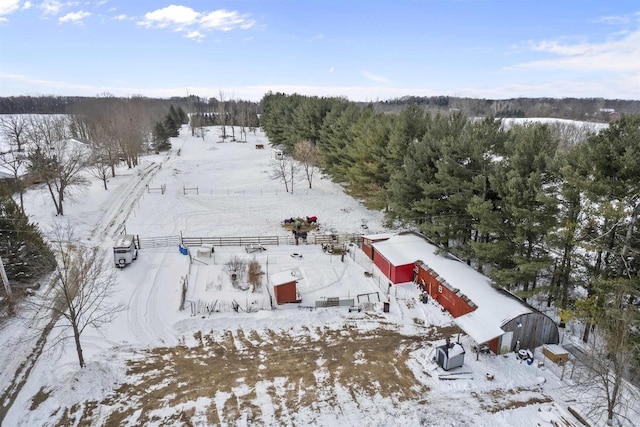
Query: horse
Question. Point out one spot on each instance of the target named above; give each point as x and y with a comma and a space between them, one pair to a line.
299, 235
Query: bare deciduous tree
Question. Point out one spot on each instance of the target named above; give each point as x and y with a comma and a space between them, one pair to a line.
99, 167
222, 114
236, 269
255, 274
14, 128
81, 289
284, 169
612, 353
59, 167
307, 154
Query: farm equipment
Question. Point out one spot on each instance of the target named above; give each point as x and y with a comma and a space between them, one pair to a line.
254, 248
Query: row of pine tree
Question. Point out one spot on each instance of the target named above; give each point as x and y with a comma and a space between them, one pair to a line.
540, 210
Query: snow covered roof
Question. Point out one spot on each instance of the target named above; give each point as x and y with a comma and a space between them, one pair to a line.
494, 308
478, 326
401, 249
379, 236
286, 276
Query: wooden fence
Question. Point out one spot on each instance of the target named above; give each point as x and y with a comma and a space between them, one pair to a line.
312, 239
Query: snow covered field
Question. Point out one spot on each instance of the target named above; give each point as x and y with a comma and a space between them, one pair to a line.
157, 365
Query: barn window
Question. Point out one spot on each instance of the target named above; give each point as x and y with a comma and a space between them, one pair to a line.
440, 288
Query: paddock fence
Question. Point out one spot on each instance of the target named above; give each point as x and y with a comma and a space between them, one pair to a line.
157, 242
187, 241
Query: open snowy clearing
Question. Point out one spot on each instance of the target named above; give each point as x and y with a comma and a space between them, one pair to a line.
158, 365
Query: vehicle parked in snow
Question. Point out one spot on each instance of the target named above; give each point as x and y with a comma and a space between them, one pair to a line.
125, 251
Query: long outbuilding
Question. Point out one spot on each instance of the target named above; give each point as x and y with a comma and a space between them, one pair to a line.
489, 315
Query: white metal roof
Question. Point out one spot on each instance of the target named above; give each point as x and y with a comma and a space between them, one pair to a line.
379, 236
286, 276
494, 307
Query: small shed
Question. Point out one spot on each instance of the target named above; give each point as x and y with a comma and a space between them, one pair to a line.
450, 356
285, 286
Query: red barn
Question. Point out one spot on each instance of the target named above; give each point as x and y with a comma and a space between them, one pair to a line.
487, 314
369, 240
285, 286
396, 257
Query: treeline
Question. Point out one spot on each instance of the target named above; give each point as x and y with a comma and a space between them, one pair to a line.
71, 104
589, 109
529, 206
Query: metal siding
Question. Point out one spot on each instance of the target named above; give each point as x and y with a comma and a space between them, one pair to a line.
403, 273
537, 329
382, 263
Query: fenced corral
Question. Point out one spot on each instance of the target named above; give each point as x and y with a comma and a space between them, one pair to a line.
187, 190
255, 241
231, 241
160, 189
312, 239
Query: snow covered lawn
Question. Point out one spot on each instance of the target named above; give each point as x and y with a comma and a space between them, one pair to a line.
210, 365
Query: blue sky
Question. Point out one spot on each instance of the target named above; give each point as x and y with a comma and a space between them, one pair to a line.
360, 49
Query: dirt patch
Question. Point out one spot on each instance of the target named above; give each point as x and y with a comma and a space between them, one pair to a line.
497, 400
237, 370
42, 395
302, 223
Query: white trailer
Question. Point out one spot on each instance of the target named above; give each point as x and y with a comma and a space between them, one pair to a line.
125, 250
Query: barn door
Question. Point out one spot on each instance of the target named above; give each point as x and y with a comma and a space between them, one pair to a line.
505, 342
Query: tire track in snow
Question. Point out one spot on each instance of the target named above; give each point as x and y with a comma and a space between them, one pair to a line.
118, 213
106, 224
143, 315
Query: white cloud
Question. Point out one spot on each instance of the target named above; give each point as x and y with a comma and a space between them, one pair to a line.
331, 70
225, 20
619, 19
375, 78
171, 16
619, 53
51, 7
195, 35
121, 17
195, 24
9, 6
74, 17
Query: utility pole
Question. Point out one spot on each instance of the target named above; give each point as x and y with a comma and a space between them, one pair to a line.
7, 288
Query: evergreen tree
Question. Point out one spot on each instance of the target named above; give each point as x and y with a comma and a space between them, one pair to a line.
610, 167
336, 136
171, 125
368, 175
525, 182
161, 137
447, 194
25, 254
565, 239
308, 118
